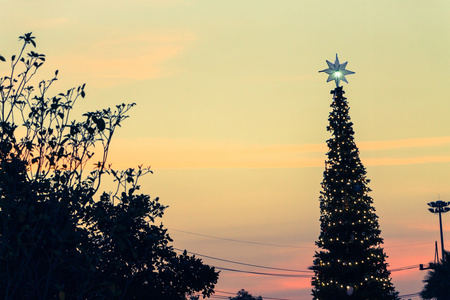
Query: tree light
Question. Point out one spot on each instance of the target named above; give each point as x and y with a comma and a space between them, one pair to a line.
349, 290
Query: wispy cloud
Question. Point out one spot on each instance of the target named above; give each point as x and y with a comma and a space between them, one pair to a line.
274, 78
405, 143
49, 22
166, 153
164, 2
171, 153
136, 56
393, 161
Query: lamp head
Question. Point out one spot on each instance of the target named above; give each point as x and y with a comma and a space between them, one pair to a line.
441, 203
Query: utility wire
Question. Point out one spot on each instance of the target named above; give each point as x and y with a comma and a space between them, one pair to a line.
275, 245
284, 275
262, 273
240, 241
269, 298
409, 295
409, 245
405, 268
224, 292
219, 297
281, 269
245, 264
264, 297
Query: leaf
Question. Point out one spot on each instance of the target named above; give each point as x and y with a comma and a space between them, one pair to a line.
64, 141
29, 145
82, 94
100, 124
2, 58
73, 130
90, 130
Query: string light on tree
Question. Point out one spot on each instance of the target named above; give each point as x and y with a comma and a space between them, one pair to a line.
351, 263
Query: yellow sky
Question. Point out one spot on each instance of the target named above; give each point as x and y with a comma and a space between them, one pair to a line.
232, 113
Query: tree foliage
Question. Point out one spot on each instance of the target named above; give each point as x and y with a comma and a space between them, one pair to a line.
437, 282
244, 295
58, 239
352, 263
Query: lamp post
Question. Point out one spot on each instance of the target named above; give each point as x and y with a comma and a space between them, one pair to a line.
439, 207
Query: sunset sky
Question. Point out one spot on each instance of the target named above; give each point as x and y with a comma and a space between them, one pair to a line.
231, 114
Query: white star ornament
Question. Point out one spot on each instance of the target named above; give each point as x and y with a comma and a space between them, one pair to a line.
337, 71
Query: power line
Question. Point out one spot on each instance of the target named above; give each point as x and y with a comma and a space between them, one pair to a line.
291, 275
409, 295
275, 245
405, 268
264, 297
262, 273
224, 292
408, 245
269, 298
240, 241
282, 269
219, 297
245, 264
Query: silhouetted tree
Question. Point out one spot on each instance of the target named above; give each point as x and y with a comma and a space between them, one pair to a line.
352, 263
244, 295
57, 239
437, 282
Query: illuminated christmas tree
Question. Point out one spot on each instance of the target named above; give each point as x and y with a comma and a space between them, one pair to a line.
351, 263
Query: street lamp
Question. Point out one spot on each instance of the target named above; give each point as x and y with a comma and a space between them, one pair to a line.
439, 207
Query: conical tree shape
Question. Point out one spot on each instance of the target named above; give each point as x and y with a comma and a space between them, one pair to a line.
351, 264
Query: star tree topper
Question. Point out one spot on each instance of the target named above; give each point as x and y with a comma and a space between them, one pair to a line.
337, 71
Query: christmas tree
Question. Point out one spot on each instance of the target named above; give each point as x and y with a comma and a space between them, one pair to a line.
351, 263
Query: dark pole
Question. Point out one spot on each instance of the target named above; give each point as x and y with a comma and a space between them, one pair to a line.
442, 235
440, 207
